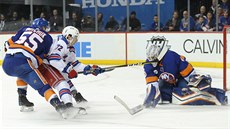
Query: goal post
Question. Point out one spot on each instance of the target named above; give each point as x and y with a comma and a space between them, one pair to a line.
226, 57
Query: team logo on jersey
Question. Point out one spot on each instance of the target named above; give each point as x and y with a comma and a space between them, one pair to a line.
168, 77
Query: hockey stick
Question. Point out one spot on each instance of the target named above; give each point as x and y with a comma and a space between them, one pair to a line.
92, 70
128, 65
107, 69
131, 111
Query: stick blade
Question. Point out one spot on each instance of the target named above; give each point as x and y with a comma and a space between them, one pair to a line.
136, 109
131, 111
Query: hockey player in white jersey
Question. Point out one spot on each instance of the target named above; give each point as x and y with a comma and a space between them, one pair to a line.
62, 57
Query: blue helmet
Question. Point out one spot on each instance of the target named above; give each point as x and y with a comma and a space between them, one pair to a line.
40, 23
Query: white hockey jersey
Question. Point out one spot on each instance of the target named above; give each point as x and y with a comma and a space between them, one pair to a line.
63, 57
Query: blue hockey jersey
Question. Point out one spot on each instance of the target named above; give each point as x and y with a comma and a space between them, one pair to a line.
170, 68
32, 43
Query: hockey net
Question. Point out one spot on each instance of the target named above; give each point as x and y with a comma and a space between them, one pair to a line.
226, 57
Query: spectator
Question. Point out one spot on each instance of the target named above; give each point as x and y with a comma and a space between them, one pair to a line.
100, 22
14, 23
112, 25
210, 24
88, 24
174, 23
224, 20
185, 22
202, 13
42, 15
219, 14
154, 25
75, 21
224, 5
200, 25
134, 23
56, 21
213, 7
2, 22
220, 11
14, 16
24, 22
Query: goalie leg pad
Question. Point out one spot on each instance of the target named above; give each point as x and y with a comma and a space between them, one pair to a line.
165, 90
193, 96
219, 94
227, 94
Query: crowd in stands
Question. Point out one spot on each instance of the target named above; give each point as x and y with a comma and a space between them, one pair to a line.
205, 20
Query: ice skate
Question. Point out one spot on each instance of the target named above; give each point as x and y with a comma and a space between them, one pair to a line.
72, 112
59, 107
78, 97
24, 103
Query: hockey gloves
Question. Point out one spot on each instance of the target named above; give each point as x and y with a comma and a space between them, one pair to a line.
71, 72
95, 70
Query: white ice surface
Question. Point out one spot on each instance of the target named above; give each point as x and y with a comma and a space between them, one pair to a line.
104, 112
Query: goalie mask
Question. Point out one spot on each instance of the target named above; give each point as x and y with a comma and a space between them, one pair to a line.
71, 34
156, 48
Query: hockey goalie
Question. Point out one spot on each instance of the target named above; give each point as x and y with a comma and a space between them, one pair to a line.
171, 78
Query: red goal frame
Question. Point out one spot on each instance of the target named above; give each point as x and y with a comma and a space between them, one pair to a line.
225, 57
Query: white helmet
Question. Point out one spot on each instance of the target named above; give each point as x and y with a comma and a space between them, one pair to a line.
71, 34
156, 48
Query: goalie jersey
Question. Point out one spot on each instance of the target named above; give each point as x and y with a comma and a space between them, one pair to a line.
177, 72
170, 68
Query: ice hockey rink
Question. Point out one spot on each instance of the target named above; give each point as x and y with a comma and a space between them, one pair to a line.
105, 113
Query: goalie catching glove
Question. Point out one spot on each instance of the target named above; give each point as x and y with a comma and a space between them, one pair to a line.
95, 70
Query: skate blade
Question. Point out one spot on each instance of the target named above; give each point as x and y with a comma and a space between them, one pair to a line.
81, 111
83, 105
26, 109
73, 112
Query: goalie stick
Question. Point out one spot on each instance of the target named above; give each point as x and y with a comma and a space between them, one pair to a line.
131, 111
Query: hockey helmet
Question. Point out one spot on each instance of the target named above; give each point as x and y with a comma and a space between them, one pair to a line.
157, 48
71, 34
41, 23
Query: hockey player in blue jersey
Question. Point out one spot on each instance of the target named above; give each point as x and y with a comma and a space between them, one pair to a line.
25, 52
171, 78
